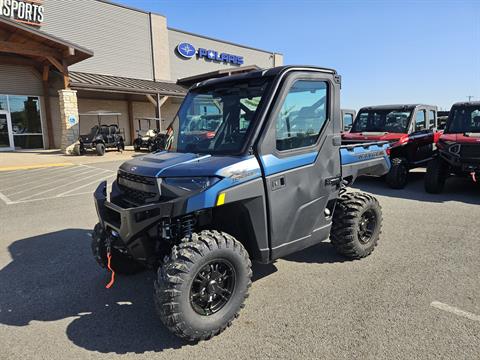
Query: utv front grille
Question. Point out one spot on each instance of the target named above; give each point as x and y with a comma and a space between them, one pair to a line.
137, 196
137, 189
136, 178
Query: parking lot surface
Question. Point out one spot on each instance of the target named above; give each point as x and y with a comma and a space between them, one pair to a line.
416, 296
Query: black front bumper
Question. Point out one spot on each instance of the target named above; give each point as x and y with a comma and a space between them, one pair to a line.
131, 223
464, 165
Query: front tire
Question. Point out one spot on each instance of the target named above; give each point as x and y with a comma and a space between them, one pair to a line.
398, 175
202, 285
121, 263
436, 176
100, 148
357, 225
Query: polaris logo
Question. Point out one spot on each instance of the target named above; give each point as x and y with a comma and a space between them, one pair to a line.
188, 51
28, 12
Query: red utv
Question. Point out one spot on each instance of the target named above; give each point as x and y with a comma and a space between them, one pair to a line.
458, 148
410, 129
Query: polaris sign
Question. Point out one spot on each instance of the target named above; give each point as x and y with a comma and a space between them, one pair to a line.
27, 12
188, 51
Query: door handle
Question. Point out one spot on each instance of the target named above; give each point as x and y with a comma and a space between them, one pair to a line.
278, 183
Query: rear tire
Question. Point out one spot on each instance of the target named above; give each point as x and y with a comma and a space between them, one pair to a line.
100, 148
202, 285
397, 178
136, 146
436, 176
121, 263
357, 225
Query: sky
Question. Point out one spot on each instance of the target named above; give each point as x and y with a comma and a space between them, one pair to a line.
388, 52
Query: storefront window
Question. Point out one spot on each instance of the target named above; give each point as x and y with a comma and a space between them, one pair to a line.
3, 103
26, 121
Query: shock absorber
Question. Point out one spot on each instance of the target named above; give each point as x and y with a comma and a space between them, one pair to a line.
187, 225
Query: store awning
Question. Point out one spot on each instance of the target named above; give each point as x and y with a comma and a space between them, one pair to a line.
115, 84
35, 44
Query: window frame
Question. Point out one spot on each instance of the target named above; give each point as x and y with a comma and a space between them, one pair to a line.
435, 121
279, 105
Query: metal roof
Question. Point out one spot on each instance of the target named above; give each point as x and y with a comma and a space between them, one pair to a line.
108, 83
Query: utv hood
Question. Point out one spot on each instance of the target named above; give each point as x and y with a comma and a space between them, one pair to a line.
171, 164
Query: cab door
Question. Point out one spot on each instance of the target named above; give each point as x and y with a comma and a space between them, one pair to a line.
422, 138
300, 161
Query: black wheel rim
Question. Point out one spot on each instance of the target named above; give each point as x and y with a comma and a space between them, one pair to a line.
212, 287
367, 226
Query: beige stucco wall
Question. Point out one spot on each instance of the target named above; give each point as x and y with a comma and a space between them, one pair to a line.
161, 47
277, 60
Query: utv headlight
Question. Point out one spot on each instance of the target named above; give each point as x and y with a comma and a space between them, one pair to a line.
184, 185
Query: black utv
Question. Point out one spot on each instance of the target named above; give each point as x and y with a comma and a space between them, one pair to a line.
101, 136
270, 180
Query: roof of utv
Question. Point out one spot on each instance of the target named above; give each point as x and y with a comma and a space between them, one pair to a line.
397, 106
262, 73
467, 103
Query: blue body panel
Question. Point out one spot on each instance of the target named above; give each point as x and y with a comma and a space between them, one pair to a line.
273, 165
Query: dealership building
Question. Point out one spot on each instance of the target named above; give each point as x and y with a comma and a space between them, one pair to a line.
63, 60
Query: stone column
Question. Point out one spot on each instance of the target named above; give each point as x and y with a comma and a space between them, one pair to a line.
69, 120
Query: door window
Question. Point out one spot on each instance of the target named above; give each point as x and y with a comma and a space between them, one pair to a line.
347, 122
302, 116
420, 120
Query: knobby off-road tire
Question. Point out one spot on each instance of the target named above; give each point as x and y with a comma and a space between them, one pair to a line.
178, 289
100, 148
398, 175
436, 176
357, 225
121, 263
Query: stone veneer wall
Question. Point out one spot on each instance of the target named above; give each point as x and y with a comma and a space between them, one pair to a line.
68, 111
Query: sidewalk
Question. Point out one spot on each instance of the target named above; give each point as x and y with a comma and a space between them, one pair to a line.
32, 159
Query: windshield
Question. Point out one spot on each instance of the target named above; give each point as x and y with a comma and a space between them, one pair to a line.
395, 121
216, 119
464, 120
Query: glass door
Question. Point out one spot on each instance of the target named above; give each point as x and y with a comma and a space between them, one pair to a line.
6, 136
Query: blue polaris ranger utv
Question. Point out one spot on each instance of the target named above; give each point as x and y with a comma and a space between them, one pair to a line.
253, 171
